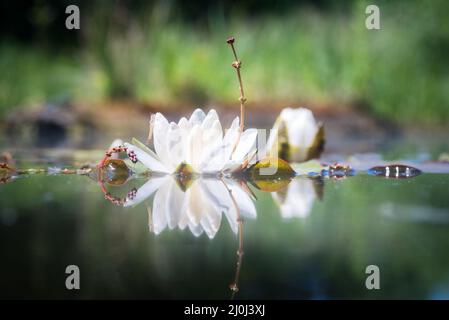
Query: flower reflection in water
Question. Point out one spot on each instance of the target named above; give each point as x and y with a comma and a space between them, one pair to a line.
198, 203
199, 206
296, 200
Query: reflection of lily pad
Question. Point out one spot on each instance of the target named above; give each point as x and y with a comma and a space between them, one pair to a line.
271, 174
271, 185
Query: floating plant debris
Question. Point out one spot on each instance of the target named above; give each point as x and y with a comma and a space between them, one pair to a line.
396, 171
337, 170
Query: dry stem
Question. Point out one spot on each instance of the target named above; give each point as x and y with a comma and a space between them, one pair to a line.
237, 64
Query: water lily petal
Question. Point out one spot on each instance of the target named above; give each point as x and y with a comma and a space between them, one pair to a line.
231, 166
301, 126
195, 204
147, 159
184, 130
214, 218
247, 143
205, 224
212, 131
194, 148
196, 230
219, 196
159, 208
211, 212
197, 117
175, 144
160, 135
243, 200
210, 118
146, 191
184, 123
212, 158
232, 218
183, 219
232, 133
174, 204
212, 135
215, 191
222, 153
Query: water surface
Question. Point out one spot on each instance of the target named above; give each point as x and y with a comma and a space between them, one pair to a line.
318, 247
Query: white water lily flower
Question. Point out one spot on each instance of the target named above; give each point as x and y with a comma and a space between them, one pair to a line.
299, 137
296, 201
199, 142
199, 208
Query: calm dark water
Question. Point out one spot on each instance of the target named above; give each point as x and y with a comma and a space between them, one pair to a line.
312, 240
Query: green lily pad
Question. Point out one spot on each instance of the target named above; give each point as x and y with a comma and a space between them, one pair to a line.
305, 168
270, 174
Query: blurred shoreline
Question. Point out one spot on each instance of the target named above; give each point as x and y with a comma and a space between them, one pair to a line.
94, 127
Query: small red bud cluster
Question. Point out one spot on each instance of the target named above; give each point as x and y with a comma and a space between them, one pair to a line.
132, 156
132, 194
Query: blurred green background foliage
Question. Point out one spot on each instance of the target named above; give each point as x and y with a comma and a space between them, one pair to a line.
174, 53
